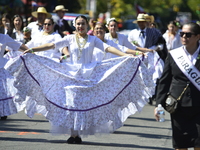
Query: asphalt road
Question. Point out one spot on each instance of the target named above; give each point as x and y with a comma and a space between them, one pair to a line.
140, 132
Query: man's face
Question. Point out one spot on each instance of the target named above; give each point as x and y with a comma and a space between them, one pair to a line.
41, 17
60, 13
142, 24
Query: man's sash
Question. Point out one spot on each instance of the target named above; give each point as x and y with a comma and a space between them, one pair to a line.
186, 66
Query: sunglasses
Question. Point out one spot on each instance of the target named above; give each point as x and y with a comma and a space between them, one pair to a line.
48, 24
187, 34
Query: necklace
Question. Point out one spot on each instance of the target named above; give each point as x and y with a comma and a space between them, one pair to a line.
81, 43
114, 39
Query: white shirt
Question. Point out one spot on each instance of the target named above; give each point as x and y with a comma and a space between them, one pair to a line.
122, 40
100, 55
192, 58
172, 43
19, 37
43, 39
135, 36
35, 29
86, 55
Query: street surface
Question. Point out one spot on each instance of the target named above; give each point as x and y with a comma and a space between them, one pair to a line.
140, 132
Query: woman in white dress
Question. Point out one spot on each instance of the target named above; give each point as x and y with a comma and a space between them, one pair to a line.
82, 97
7, 91
171, 37
120, 38
47, 36
100, 31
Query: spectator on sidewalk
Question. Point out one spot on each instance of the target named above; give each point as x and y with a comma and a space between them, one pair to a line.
62, 26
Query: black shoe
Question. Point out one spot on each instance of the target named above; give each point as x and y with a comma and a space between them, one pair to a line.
4, 118
71, 140
78, 140
150, 101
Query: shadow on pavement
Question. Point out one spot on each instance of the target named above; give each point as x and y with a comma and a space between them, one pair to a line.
154, 136
124, 145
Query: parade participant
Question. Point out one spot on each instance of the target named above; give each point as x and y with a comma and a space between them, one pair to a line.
37, 26
47, 36
7, 91
82, 97
149, 20
171, 37
62, 26
99, 31
181, 78
146, 37
120, 38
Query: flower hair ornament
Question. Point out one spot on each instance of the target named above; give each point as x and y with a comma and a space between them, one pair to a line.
109, 20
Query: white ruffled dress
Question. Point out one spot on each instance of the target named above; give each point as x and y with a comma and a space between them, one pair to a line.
7, 90
89, 97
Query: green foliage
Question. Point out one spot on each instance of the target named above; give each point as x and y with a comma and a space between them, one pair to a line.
125, 8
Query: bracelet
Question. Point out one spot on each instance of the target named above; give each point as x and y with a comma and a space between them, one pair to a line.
137, 53
64, 57
31, 50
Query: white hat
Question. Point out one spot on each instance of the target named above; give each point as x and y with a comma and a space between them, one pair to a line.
41, 10
60, 7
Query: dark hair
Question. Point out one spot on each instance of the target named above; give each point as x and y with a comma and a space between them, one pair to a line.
194, 27
172, 22
154, 24
81, 16
113, 21
7, 16
16, 16
101, 24
50, 19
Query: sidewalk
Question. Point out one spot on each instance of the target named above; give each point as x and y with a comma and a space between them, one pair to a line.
140, 132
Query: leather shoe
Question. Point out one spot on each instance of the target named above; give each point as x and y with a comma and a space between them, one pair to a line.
71, 140
4, 118
78, 140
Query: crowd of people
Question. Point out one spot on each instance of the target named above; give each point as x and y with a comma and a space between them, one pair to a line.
81, 83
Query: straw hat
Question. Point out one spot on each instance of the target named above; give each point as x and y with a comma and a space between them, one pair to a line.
140, 17
60, 7
41, 10
149, 18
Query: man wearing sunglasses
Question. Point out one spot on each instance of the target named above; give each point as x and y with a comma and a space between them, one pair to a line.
181, 78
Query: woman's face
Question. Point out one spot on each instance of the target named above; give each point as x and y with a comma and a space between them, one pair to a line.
5, 22
81, 26
48, 26
17, 22
99, 31
189, 41
171, 28
112, 27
